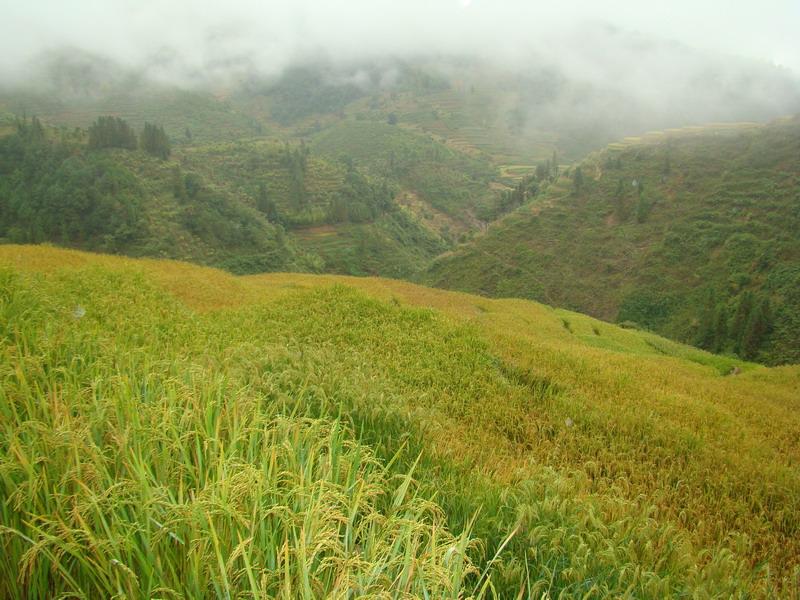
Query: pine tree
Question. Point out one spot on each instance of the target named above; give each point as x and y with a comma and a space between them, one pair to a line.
178, 184
620, 207
155, 141
266, 205
578, 179
740, 319
541, 170
111, 132
720, 328
757, 328
705, 332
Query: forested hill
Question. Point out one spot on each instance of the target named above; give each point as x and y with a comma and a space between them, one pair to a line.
250, 206
692, 233
373, 167
96, 190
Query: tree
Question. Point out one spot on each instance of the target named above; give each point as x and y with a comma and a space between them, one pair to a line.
643, 207
757, 328
266, 205
541, 170
178, 184
192, 185
111, 132
392, 119
740, 319
620, 207
705, 333
33, 131
577, 179
720, 328
155, 141
620, 192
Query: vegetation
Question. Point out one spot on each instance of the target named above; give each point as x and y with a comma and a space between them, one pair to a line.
169, 430
53, 188
449, 181
340, 212
111, 132
303, 91
202, 442
692, 235
154, 141
48, 192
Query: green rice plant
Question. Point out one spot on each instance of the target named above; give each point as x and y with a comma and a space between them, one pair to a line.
149, 408
129, 471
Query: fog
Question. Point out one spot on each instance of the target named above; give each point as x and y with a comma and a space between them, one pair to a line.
190, 40
674, 63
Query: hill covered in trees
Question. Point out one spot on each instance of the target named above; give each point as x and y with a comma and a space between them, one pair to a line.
95, 190
692, 234
378, 167
448, 138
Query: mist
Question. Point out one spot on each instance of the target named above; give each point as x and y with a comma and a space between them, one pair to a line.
616, 67
195, 40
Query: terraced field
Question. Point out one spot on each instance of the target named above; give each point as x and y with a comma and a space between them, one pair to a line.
172, 429
665, 229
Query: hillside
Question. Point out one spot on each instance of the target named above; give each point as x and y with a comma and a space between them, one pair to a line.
370, 167
53, 188
246, 206
168, 429
691, 233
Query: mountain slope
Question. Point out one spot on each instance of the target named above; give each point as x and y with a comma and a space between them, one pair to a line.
617, 461
249, 206
692, 234
407, 156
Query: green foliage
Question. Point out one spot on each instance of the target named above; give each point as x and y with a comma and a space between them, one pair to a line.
577, 179
759, 324
192, 434
449, 181
649, 308
358, 200
51, 191
111, 132
643, 208
267, 205
526, 189
154, 141
303, 91
713, 211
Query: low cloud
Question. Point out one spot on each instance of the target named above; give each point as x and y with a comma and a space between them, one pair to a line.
706, 61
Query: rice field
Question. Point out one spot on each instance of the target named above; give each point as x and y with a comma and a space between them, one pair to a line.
172, 431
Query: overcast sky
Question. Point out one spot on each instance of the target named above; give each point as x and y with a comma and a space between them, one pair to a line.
193, 35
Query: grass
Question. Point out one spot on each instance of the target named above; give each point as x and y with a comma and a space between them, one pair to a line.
305, 436
716, 217
206, 117
449, 180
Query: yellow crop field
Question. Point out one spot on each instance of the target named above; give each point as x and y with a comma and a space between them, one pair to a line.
169, 430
